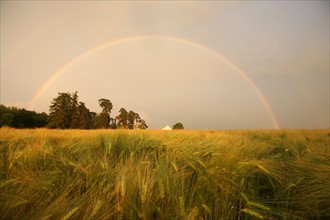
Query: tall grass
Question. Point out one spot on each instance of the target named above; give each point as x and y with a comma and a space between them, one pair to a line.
62, 174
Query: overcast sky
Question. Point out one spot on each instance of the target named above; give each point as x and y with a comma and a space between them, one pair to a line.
209, 65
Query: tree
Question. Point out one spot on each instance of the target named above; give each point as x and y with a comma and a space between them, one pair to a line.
6, 119
41, 119
123, 118
21, 118
178, 126
106, 105
93, 119
102, 120
84, 117
60, 115
112, 124
67, 112
129, 120
132, 119
141, 124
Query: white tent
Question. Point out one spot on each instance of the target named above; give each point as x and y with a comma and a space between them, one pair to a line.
167, 128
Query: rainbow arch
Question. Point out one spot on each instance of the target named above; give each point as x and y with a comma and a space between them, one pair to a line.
219, 56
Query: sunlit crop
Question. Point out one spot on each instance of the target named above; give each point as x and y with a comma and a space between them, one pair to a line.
106, 174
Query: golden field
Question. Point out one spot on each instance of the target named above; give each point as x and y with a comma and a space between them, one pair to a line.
135, 174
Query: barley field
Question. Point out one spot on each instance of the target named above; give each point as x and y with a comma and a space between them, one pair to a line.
120, 174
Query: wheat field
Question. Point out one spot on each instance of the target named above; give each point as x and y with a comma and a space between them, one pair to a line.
121, 174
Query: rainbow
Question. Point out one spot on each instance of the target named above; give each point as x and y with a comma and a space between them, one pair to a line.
219, 56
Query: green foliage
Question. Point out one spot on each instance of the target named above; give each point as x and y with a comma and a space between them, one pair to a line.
130, 120
84, 117
161, 175
61, 111
106, 105
67, 112
141, 124
102, 120
21, 118
178, 126
122, 118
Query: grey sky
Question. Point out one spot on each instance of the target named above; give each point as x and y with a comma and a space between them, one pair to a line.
282, 46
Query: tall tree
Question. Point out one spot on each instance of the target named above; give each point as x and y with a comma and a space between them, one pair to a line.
60, 111
106, 105
102, 120
131, 119
123, 118
84, 117
67, 112
137, 120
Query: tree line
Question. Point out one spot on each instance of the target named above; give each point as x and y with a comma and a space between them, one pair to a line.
67, 112
22, 118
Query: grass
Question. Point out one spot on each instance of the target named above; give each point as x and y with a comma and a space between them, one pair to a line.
106, 174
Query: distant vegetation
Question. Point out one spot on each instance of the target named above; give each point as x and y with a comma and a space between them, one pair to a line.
67, 112
108, 174
178, 126
21, 118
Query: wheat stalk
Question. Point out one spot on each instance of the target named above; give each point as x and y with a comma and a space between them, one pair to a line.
161, 189
182, 209
193, 213
167, 185
97, 207
258, 205
123, 188
206, 208
144, 193
67, 216
252, 213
